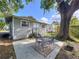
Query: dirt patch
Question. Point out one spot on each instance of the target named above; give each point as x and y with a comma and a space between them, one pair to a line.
65, 54
6, 49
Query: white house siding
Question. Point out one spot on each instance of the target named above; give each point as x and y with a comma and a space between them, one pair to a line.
42, 30
20, 32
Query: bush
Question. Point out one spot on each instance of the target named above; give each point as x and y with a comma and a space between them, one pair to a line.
2, 24
74, 31
33, 35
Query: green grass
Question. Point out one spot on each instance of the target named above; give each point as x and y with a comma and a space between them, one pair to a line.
74, 32
3, 31
51, 34
75, 39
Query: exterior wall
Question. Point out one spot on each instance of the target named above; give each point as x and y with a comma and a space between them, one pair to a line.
50, 28
19, 31
40, 29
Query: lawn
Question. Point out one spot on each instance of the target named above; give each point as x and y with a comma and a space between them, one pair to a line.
74, 30
50, 34
74, 33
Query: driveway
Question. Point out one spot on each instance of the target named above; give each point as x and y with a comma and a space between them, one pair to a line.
24, 50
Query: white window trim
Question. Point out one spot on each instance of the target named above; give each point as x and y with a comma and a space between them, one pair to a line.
21, 23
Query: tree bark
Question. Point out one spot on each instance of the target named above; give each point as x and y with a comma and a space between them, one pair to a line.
66, 15
64, 27
66, 11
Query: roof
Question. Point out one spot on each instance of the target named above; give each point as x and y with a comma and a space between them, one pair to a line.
42, 23
55, 22
29, 18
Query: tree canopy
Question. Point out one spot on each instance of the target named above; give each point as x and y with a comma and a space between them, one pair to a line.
11, 6
8, 7
67, 4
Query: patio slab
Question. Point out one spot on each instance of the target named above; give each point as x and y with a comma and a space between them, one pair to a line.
24, 50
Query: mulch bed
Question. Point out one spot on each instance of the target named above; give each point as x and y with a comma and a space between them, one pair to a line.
6, 49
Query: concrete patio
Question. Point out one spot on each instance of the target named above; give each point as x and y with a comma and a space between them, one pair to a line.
24, 50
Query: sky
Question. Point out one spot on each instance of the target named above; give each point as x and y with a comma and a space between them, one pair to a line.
33, 9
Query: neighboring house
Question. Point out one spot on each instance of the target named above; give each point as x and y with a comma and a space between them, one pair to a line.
41, 27
55, 26
22, 27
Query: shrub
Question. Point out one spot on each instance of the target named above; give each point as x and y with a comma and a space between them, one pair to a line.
2, 24
74, 31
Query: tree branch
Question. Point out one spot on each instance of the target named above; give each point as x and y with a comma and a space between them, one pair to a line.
59, 1
63, 6
75, 5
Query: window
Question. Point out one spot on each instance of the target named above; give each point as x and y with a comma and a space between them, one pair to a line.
43, 26
24, 23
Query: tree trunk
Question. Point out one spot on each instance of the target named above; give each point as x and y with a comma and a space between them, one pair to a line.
66, 12
64, 26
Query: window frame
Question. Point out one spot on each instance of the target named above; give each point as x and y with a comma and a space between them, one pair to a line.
21, 21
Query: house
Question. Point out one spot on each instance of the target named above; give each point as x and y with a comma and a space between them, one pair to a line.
55, 26
22, 26
41, 27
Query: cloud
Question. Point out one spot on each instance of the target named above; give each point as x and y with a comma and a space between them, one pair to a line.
44, 20
76, 14
55, 17
51, 19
